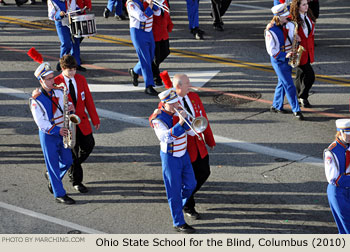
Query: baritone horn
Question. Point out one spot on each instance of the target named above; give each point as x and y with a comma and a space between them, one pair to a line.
161, 5
198, 124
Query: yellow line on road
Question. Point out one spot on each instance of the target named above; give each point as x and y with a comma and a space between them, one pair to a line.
181, 53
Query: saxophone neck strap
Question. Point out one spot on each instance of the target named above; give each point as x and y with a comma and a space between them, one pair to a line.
50, 97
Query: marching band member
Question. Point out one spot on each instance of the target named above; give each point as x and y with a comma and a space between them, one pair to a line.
196, 147
47, 108
80, 95
141, 22
58, 10
193, 19
177, 170
162, 25
304, 75
118, 4
337, 169
278, 46
218, 9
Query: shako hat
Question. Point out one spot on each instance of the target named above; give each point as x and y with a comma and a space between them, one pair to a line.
168, 96
280, 10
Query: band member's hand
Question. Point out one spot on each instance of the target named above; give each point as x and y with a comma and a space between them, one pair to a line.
298, 38
63, 132
71, 108
212, 147
62, 13
35, 92
150, 3
181, 118
97, 126
289, 54
157, 111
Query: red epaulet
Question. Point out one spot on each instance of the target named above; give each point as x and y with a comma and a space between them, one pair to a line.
330, 147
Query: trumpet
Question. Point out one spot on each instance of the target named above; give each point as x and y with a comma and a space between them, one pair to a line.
161, 5
198, 124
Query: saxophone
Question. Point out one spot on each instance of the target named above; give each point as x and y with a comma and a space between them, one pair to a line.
70, 120
297, 50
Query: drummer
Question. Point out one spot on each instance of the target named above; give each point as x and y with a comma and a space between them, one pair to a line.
58, 10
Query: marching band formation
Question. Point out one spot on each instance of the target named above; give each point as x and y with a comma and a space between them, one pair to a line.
180, 121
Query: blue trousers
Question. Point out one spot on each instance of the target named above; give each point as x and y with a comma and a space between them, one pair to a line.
339, 201
118, 6
179, 181
285, 86
57, 159
192, 13
67, 45
144, 46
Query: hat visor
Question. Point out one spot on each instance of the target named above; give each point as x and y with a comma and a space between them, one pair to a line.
285, 14
47, 73
175, 100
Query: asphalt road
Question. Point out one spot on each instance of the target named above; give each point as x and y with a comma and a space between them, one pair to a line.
267, 172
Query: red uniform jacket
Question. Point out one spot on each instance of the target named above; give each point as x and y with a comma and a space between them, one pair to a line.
194, 145
308, 43
162, 25
83, 3
84, 100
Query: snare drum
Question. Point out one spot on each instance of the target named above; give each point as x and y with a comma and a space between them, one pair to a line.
83, 26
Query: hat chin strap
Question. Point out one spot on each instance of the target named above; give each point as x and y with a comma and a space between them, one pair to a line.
43, 82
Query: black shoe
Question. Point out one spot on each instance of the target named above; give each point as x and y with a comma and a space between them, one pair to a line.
151, 91
158, 81
198, 36
274, 110
81, 188
106, 13
134, 77
32, 2
197, 30
192, 213
120, 17
58, 67
49, 186
2, 2
218, 27
20, 2
65, 200
298, 115
185, 228
304, 103
80, 68
200, 31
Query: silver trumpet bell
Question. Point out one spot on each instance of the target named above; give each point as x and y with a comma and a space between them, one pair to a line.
200, 124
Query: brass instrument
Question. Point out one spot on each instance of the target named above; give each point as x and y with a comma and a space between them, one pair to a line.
198, 124
297, 50
161, 5
70, 120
